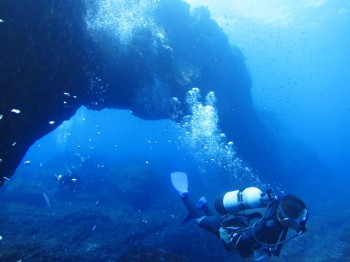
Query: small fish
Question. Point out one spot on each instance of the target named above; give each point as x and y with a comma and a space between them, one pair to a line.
1, 117
16, 111
66, 94
51, 122
1, 21
27, 162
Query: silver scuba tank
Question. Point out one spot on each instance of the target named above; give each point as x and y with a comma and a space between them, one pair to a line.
238, 200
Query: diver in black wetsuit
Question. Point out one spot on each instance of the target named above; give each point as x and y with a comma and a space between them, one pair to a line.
253, 223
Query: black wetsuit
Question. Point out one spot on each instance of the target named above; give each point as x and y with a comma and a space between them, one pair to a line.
260, 229
244, 231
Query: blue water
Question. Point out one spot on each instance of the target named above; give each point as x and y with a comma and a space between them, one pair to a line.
299, 59
298, 55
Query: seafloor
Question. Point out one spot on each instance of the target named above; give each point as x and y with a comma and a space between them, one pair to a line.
128, 214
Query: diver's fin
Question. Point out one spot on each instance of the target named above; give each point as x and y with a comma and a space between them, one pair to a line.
179, 181
203, 206
201, 202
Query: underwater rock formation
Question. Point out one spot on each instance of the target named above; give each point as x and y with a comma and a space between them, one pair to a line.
151, 254
59, 55
41, 59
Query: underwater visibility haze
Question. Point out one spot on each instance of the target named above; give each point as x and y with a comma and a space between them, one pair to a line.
119, 94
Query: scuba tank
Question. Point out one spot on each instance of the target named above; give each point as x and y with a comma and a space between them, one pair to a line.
239, 200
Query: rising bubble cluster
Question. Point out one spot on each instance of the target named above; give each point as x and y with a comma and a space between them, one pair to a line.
208, 144
122, 19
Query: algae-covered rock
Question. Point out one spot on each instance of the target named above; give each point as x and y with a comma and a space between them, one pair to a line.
148, 254
345, 235
137, 183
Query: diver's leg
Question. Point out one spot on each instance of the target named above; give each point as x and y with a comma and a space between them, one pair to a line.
203, 205
191, 208
207, 210
210, 224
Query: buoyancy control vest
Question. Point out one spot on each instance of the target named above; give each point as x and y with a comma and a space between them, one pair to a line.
242, 230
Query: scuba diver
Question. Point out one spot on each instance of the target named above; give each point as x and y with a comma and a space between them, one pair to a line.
69, 180
254, 223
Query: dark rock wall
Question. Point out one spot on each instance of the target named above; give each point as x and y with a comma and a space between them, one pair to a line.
41, 58
46, 51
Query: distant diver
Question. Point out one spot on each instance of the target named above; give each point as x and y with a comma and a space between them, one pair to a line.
250, 221
68, 180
